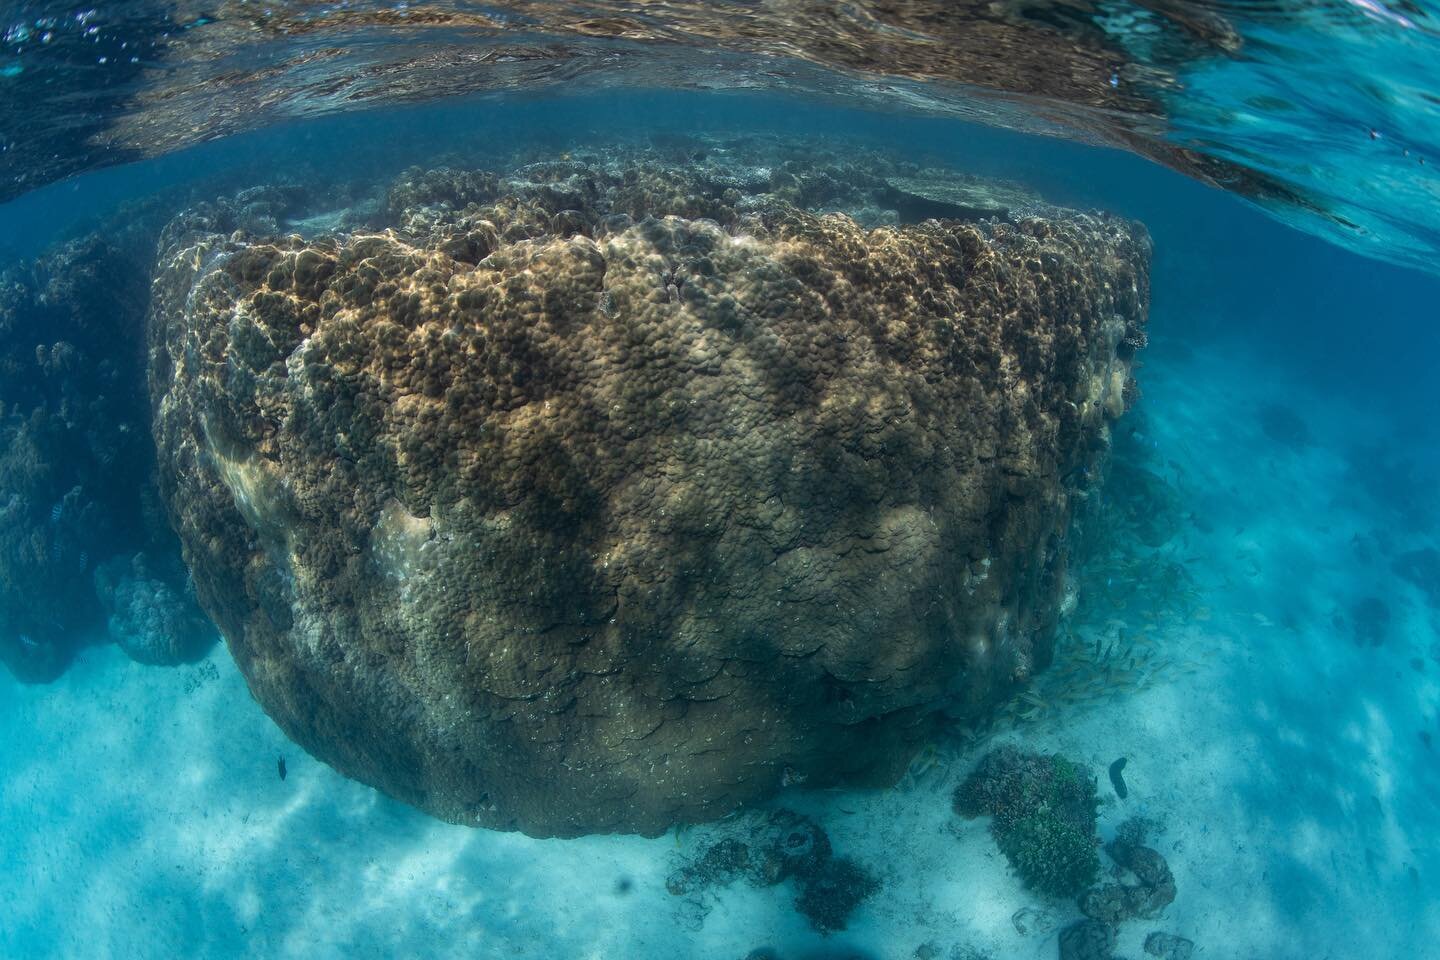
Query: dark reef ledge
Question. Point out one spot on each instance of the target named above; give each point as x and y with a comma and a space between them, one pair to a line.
600, 496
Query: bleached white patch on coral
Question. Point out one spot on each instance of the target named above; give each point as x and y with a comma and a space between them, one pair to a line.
399, 542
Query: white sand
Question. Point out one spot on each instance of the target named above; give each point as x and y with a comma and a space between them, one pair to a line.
141, 814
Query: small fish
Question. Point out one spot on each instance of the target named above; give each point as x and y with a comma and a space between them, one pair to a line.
280, 767
57, 511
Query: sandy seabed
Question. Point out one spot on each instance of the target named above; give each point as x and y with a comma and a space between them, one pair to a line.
141, 814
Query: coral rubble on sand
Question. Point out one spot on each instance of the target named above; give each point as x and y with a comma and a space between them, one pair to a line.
767, 849
1107, 905
599, 497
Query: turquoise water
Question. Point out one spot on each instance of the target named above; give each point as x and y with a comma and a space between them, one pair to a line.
1251, 612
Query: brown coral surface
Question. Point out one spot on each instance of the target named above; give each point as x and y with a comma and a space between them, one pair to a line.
600, 499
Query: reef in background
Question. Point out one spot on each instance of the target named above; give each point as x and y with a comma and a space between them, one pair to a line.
86, 551
605, 493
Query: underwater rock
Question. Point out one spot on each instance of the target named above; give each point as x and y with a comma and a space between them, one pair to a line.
789, 845
1044, 816
1028, 920
1108, 903
148, 618
832, 892
1113, 903
1168, 946
617, 500
1087, 940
